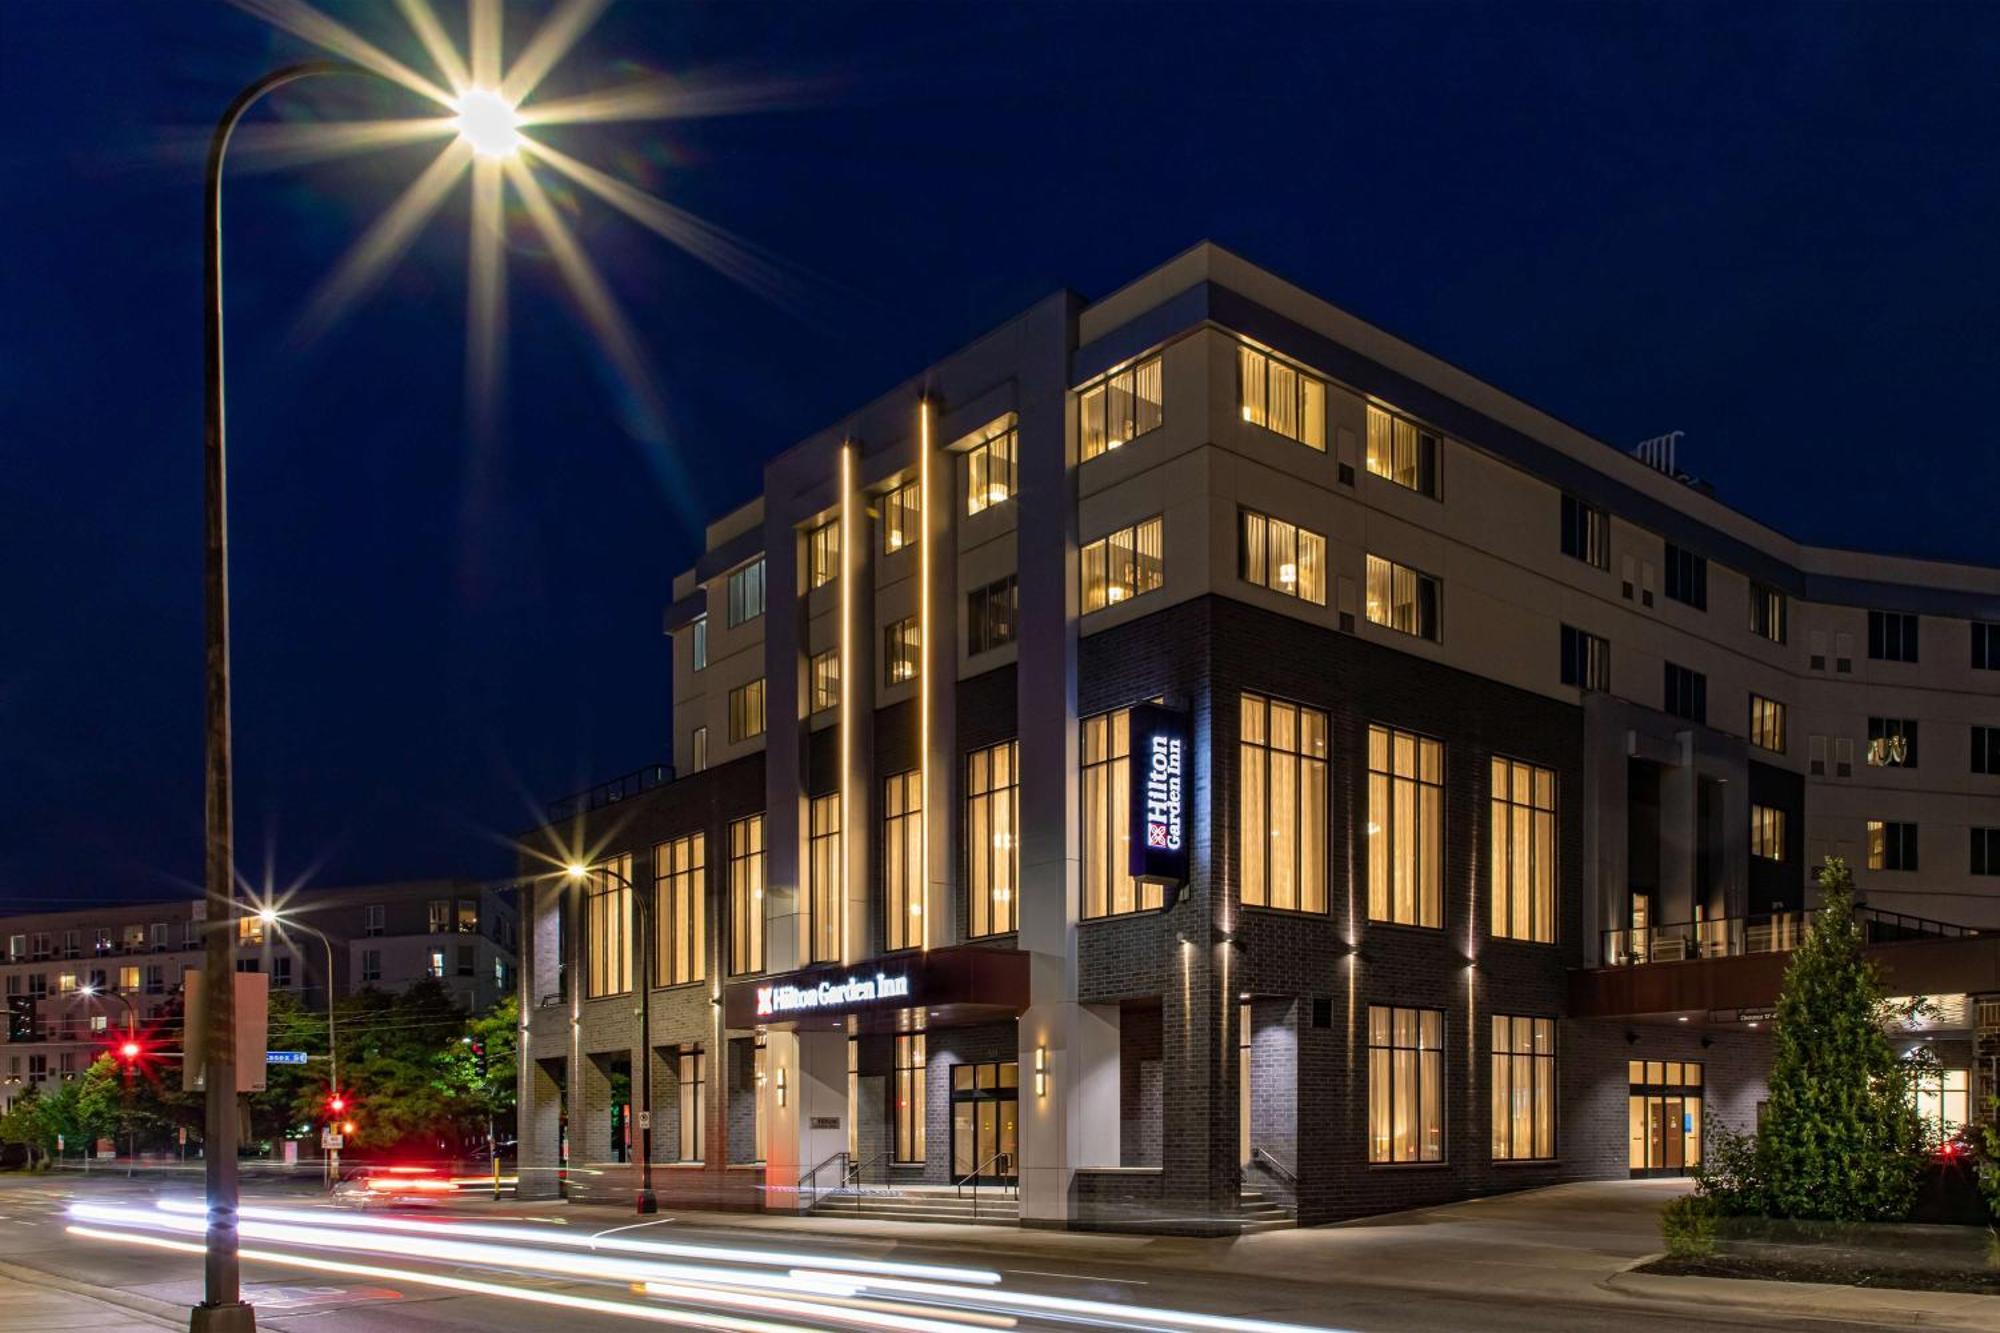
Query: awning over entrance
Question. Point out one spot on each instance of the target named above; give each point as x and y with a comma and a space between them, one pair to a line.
964, 984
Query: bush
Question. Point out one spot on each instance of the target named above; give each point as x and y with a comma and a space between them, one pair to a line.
1688, 1226
1731, 1173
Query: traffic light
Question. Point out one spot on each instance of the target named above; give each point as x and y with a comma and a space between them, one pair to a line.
129, 1051
336, 1102
479, 1057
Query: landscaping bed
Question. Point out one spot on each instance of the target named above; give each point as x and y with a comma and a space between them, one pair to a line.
1906, 1256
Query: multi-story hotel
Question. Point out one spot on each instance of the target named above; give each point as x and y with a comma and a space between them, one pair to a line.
1478, 770
75, 978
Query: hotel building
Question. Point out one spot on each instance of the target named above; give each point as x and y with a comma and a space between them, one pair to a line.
1507, 756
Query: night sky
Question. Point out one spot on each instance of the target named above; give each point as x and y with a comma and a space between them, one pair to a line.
1772, 228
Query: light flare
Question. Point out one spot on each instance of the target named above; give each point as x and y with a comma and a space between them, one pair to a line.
297, 17
372, 255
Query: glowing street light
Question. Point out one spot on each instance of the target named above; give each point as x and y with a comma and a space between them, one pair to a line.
488, 123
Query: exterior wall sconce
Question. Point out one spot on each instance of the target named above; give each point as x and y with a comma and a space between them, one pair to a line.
781, 1085
1041, 1071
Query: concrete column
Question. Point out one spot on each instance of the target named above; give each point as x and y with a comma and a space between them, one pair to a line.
785, 736
858, 783
540, 1127
938, 680
1606, 801
1680, 836
1732, 855
807, 1082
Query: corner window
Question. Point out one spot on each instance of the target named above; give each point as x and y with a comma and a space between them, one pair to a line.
823, 554
1119, 408
746, 594
1767, 832
1767, 613
990, 467
992, 847
902, 517
1687, 577
989, 615
1586, 532
1283, 557
1405, 1084
825, 673
1586, 659
1892, 636
1891, 846
1524, 1088
902, 651
1401, 451
1523, 867
1401, 599
1767, 724
1124, 564
1281, 398
1405, 828
746, 711
1282, 805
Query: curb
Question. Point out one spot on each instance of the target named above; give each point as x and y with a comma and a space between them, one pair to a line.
1807, 1300
169, 1315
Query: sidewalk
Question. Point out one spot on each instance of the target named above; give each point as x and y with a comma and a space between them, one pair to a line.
38, 1302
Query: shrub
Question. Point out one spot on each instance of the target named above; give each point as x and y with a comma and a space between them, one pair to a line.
1688, 1226
1731, 1173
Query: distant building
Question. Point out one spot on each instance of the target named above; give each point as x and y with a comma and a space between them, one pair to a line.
68, 975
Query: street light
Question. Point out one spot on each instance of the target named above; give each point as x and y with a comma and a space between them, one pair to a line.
276, 922
646, 1201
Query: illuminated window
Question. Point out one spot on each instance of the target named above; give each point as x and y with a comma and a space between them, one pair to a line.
128, 978
689, 1085
1119, 408
823, 554
989, 467
746, 594
1767, 613
1405, 828
698, 748
902, 517
823, 942
1401, 599
1122, 565
902, 651
1891, 846
1586, 659
1687, 577
1892, 742
1586, 532
903, 861
1282, 805
909, 1094
1523, 869
1767, 724
1401, 451
989, 615
1684, 693
825, 680
436, 967
466, 911
992, 850
1281, 398
1524, 1088
438, 913
746, 711
607, 897
249, 930
1108, 886
1942, 1100
1767, 832
1405, 1085
680, 880
1283, 557
65, 983
746, 894
698, 642
1892, 636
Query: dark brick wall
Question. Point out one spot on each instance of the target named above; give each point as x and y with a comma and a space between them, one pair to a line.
1140, 1086
944, 1048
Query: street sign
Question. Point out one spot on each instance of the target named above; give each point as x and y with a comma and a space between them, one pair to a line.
331, 1140
284, 1057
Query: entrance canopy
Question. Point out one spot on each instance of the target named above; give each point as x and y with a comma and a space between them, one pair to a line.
943, 987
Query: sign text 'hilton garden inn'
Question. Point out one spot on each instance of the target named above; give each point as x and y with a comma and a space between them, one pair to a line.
831, 995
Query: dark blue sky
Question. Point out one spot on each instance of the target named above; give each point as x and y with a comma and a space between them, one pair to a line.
1770, 227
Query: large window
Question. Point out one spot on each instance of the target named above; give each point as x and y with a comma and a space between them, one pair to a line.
680, 880
1524, 851
1119, 408
989, 467
1402, 599
1401, 451
1767, 724
1122, 565
1524, 1088
1108, 886
1405, 828
902, 517
1942, 1100
1687, 577
1586, 532
1586, 659
607, 899
1283, 557
1405, 1084
1281, 398
1767, 612
746, 592
1685, 693
992, 852
903, 861
902, 651
746, 894
689, 1087
746, 711
1986, 750
1892, 636
823, 914
1892, 742
989, 615
1891, 845
1767, 832
1282, 805
908, 1109
823, 554
825, 674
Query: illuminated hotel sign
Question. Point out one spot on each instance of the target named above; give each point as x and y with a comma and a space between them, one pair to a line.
1161, 770
831, 995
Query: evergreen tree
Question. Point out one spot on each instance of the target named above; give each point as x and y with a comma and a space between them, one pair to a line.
1841, 1140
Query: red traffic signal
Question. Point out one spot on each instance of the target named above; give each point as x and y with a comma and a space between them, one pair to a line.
336, 1103
129, 1051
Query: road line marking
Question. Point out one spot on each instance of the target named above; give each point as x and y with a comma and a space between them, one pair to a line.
1038, 1272
630, 1226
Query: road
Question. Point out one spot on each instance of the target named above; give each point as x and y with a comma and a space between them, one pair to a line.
336, 1270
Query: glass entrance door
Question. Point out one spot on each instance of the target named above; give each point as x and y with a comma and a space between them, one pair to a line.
985, 1122
1665, 1117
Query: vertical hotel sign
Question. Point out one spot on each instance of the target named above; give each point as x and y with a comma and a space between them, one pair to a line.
1162, 780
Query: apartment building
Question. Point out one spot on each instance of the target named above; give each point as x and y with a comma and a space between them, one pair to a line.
1192, 759
73, 979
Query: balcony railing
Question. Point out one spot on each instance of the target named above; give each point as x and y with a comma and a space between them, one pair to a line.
1773, 932
622, 788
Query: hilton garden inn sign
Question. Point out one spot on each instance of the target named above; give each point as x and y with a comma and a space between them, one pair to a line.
830, 995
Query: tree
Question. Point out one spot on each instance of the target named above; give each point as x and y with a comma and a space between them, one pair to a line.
1841, 1139
481, 1069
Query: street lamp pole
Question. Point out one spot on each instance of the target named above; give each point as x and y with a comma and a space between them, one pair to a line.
646, 1201
222, 1309
272, 919
131, 1038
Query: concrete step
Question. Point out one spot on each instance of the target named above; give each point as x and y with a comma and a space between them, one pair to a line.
1258, 1211
923, 1206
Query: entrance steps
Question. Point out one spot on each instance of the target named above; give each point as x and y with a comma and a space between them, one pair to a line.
1258, 1211
994, 1206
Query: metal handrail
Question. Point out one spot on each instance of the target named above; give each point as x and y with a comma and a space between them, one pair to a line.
974, 1176
622, 787
1770, 932
1274, 1164
851, 1178
810, 1180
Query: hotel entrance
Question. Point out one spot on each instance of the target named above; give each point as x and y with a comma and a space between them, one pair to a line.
1664, 1117
985, 1122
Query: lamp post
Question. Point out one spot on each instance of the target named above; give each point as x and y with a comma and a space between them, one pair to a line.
131, 1051
646, 1202
274, 921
